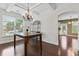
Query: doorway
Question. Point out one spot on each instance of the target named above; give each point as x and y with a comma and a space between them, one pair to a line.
68, 36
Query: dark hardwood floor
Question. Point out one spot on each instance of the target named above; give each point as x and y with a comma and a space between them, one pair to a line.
7, 49
33, 49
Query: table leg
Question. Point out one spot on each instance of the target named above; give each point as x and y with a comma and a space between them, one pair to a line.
25, 45
41, 45
14, 45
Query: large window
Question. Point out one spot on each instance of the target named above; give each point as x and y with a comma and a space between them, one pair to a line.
19, 25
69, 27
75, 27
10, 25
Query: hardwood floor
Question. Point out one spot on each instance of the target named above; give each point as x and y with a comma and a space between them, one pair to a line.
78, 53
33, 50
7, 49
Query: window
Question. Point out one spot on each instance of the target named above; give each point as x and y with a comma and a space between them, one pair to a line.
62, 28
10, 25
7, 25
19, 25
69, 27
74, 27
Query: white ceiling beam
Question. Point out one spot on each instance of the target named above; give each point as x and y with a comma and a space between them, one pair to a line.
33, 7
36, 5
20, 7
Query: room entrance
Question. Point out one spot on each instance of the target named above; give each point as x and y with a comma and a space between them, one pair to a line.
68, 36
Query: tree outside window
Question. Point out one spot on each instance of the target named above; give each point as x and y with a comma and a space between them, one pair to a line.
19, 25
10, 25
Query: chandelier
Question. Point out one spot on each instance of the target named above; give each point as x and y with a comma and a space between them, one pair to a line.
28, 15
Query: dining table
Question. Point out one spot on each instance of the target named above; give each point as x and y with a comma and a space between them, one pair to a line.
26, 37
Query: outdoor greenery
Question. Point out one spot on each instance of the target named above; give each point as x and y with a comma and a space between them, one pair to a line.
18, 22
10, 25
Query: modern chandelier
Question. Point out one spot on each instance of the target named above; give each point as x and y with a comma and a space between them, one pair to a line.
28, 15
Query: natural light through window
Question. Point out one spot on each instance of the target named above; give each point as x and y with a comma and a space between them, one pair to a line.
10, 25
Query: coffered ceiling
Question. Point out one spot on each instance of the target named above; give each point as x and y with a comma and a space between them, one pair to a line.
21, 8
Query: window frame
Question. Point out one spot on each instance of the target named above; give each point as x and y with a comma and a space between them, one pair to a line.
14, 28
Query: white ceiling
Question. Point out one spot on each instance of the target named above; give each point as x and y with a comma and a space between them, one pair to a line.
22, 7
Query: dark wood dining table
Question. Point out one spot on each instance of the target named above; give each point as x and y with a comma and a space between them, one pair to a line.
26, 38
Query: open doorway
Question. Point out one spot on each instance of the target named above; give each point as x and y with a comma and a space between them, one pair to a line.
68, 33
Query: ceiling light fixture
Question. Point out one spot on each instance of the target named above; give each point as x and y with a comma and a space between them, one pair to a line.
28, 15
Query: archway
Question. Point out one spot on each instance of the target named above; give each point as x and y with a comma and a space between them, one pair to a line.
68, 33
